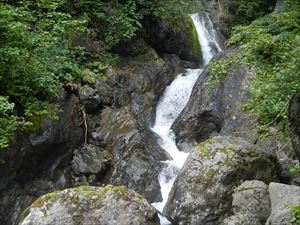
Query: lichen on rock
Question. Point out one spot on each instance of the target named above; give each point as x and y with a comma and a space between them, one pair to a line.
91, 205
202, 192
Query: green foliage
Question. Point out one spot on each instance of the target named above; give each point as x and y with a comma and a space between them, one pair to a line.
35, 58
175, 12
194, 35
295, 219
9, 123
220, 68
95, 70
270, 46
113, 21
241, 12
294, 168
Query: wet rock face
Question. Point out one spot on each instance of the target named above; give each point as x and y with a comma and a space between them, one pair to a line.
136, 155
30, 151
202, 192
91, 205
165, 38
282, 196
251, 204
139, 82
67, 131
214, 109
96, 96
202, 116
124, 127
294, 123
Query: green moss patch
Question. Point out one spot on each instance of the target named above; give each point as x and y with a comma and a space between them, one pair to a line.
194, 35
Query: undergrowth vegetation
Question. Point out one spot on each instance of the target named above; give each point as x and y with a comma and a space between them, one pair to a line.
241, 12
271, 47
295, 218
35, 58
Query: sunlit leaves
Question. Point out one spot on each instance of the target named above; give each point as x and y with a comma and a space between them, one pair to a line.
35, 59
270, 46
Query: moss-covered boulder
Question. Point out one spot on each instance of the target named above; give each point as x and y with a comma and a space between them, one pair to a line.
202, 193
91, 205
169, 38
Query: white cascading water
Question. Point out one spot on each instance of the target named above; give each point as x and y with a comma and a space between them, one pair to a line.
170, 106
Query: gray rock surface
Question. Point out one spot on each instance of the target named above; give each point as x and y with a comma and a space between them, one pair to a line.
89, 159
164, 37
105, 92
251, 203
89, 97
34, 160
202, 192
294, 123
135, 156
40, 162
91, 205
282, 196
282, 6
240, 219
214, 108
138, 76
252, 198
67, 131
202, 116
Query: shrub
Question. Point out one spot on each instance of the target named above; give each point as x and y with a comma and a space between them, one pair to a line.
270, 46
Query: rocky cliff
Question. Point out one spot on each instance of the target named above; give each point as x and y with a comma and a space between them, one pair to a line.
103, 141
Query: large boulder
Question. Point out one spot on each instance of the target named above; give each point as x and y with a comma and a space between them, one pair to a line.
250, 204
282, 198
202, 193
91, 205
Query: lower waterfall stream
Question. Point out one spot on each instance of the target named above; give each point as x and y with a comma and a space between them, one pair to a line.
173, 101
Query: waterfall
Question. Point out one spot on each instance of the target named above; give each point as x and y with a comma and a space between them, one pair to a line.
173, 102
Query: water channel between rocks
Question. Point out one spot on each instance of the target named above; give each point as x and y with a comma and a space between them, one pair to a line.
173, 102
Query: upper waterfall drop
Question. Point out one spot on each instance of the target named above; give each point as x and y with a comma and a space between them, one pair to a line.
206, 37
170, 105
